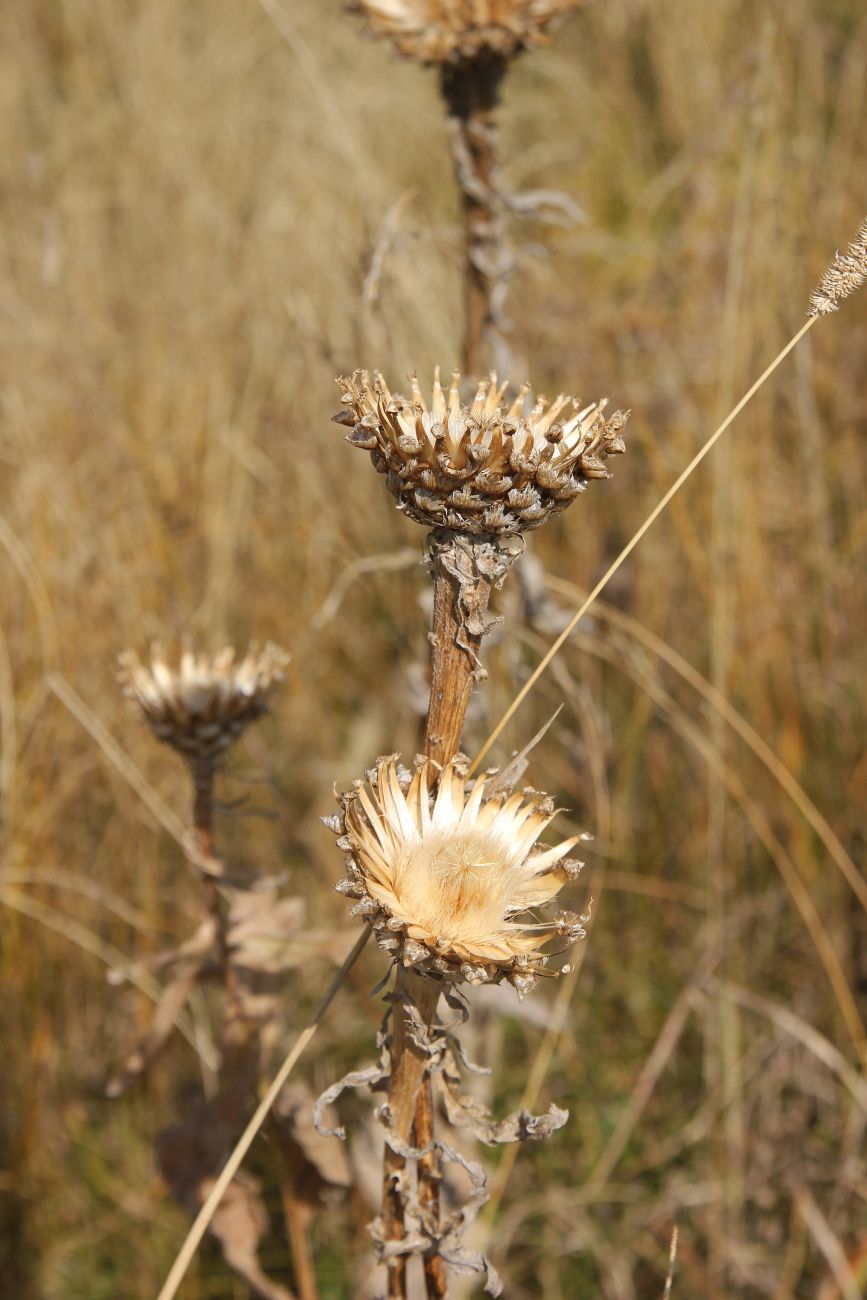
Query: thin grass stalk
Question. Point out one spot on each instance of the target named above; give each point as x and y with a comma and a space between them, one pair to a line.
738, 723
630, 546
723, 1048
767, 837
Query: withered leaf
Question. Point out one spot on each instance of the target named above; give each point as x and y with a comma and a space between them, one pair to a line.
519, 1126
239, 1224
318, 1164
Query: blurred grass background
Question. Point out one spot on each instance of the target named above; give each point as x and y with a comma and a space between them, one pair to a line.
191, 197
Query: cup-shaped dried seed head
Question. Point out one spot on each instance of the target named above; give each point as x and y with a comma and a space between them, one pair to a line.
495, 466
445, 878
447, 31
201, 707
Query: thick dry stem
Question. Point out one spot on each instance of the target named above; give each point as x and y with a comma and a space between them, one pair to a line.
471, 91
203, 829
408, 1067
429, 1187
465, 569
454, 658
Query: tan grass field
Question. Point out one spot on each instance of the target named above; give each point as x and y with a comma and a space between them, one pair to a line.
191, 200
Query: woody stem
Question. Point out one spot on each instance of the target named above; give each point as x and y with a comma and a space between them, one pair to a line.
471, 89
454, 657
460, 605
203, 830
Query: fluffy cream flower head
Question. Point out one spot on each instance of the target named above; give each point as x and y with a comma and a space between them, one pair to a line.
445, 31
444, 878
491, 467
201, 707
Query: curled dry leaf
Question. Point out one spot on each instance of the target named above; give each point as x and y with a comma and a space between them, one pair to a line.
239, 1223
468, 1112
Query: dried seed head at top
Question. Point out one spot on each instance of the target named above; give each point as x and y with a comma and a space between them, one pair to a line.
847, 272
201, 707
444, 879
447, 31
484, 468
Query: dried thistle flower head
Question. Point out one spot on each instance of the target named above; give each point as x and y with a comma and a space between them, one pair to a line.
847, 272
446, 31
484, 468
201, 707
444, 878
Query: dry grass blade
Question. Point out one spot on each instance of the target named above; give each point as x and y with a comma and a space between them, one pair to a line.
404, 558
342, 131
797, 890
633, 542
110, 956
672, 1260
766, 835
805, 1033
666, 1042
829, 1244
8, 737
739, 724
32, 579
119, 759
235, 1160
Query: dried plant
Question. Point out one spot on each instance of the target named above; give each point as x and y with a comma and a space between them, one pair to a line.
250, 938
440, 873
445, 31
202, 707
472, 43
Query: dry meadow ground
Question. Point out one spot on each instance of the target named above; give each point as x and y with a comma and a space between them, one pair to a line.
191, 197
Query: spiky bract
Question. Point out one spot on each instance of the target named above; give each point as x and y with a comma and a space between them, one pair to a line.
486, 468
201, 707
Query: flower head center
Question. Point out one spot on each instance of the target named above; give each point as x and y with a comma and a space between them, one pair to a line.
457, 884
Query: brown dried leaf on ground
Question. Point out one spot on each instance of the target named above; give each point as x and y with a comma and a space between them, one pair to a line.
190, 1157
321, 1166
172, 1001
268, 935
239, 1224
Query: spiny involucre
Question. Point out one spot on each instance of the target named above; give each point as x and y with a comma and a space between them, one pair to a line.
446, 879
493, 467
201, 707
449, 31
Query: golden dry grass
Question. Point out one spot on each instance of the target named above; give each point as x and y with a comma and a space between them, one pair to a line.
190, 200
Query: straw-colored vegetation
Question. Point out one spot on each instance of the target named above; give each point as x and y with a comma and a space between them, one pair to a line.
207, 212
